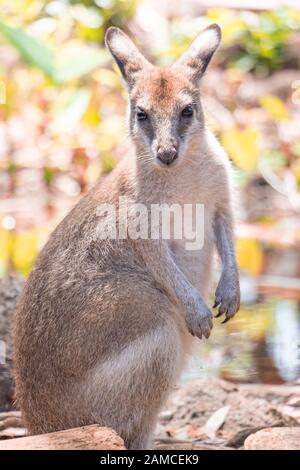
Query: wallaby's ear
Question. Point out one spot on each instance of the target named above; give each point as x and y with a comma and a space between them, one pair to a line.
197, 57
126, 55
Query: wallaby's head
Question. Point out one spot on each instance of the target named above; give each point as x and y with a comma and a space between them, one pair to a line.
166, 116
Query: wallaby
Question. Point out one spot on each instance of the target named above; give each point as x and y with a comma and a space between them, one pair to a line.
103, 326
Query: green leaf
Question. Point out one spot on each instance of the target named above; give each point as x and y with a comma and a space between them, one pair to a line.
108, 163
70, 109
79, 61
32, 50
83, 61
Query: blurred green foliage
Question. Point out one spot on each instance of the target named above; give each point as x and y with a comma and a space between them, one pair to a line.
255, 41
263, 46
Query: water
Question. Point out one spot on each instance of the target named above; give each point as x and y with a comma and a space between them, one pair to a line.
261, 344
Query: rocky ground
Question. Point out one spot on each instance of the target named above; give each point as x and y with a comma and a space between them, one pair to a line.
212, 414
216, 413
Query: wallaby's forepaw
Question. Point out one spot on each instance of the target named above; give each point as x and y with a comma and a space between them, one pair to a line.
227, 296
198, 317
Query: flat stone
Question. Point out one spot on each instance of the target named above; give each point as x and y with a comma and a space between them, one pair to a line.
274, 439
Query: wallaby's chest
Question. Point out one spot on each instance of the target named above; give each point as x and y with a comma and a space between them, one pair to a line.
193, 251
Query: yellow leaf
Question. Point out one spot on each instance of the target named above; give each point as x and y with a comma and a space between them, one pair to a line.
91, 116
256, 320
2, 92
249, 255
107, 77
275, 107
242, 147
296, 170
232, 26
5, 243
25, 249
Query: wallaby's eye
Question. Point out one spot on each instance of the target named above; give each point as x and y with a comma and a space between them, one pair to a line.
141, 114
187, 111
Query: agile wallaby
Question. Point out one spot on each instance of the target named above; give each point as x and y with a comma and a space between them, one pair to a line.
103, 326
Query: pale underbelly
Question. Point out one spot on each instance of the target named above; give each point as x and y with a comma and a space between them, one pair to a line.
196, 265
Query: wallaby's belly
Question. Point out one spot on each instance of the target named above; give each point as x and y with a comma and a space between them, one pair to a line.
196, 264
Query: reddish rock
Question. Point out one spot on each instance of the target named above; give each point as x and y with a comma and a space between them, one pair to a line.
274, 439
85, 438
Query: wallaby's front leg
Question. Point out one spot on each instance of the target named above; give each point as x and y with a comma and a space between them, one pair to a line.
228, 291
168, 275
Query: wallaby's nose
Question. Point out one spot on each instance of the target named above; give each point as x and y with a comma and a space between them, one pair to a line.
167, 155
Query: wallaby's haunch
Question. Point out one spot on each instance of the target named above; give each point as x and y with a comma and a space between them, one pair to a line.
103, 326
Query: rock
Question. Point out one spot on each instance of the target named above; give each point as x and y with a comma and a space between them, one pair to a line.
290, 412
12, 422
294, 401
274, 439
12, 433
10, 288
166, 414
92, 437
9, 414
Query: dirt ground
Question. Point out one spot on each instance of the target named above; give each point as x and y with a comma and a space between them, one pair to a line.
214, 412
209, 414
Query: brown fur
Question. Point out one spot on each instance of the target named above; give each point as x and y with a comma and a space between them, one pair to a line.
103, 326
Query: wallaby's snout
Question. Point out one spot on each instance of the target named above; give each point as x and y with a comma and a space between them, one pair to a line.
167, 155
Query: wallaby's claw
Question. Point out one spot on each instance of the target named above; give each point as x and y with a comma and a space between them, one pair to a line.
228, 307
227, 298
217, 315
199, 318
226, 320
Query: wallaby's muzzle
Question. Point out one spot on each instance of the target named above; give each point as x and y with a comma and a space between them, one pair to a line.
167, 155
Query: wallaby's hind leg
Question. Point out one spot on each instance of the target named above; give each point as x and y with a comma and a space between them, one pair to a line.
114, 369
144, 441
128, 389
